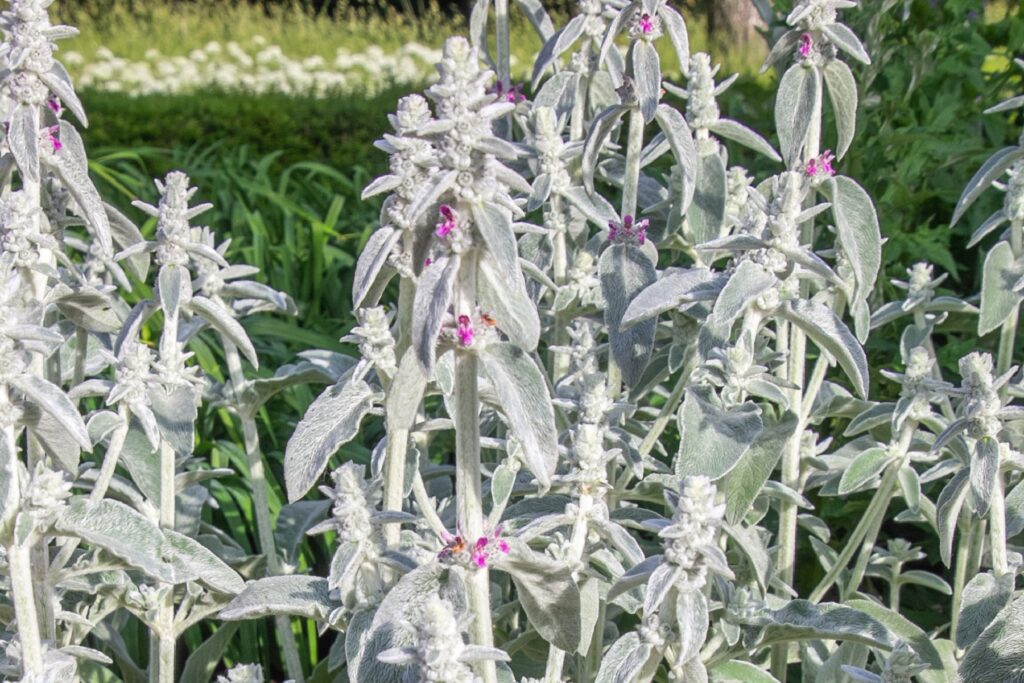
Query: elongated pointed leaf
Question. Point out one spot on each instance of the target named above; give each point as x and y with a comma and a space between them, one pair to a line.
842, 92
526, 403
801, 619
371, 263
647, 77
865, 467
548, 594
737, 132
195, 562
222, 321
995, 166
433, 297
984, 597
998, 653
859, 233
747, 478
847, 41
49, 398
677, 287
998, 300
714, 438
626, 270
706, 215
830, 334
947, 511
298, 596
23, 140
799, 98
509, 304
331, 421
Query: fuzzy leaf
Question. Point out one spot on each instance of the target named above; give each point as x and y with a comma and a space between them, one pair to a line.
298, 596
547, 592
624, 660
647, 77
947, 511
983, 598
998, 653
195, 562
801, 619
901, 627
798, 100
998, 300
865, 467
49, 398
23, 140
826, 330
526, 403
858, 231
372, 261
176, 414
737, 132
744, 483
842, 92
714, 438
626, 270
331, 421
509, 303
203, 661
229, 328
706, 214
433, 297
995, 166
676, 287
847, 41
984, 472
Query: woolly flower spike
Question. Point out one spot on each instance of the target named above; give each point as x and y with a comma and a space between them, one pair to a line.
376, 343
806, 45
20, 234
644, 26
820, 167
690, 541
54, 140
243, 673
628, 232
465, 331
351, 513
176, 240
438, 652
44, 497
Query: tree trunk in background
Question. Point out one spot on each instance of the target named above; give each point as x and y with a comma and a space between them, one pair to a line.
736, 20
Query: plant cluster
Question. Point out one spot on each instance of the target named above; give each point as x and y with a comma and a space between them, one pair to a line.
619, 372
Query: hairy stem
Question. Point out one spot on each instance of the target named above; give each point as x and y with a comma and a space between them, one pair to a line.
997, 520
261, 508
161, 663
634, 146
503, 43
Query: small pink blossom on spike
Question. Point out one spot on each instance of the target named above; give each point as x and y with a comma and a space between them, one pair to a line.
427, 262
628, 231
806, 45
465, 331
54, 104
503, 547
646, 25
448, 222
821, 165
512, 93
54, 140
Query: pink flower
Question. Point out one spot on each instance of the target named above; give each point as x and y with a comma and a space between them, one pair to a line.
427, 262
512, 93
628, 231
806, 45
821, 165
54, 140
465, 332
54, 104
448, 222
646, 25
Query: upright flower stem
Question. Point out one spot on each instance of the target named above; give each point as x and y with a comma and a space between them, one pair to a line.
398, 442
963, 547
634, 146
997, 520
468, 471
161, 665
261, 508
791, 456
504, 44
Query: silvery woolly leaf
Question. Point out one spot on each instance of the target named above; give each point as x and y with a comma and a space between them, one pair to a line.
624, 660
675, 27
998, 298
600, 129
995, 166
912, 634
59, 83
1015, 511
175, 413
998, 653
54, 439
510, 305
356, 636
863, 468
842, 92
138, 455
434, 293
738, 671
826, 330
782, 48
799, 99
119, 530
192, 561
984, 472
680, 138
595, 207
676, 287
737, 132
744, 483
991, 223
1008, 105
659, 583
72, 166
847, 41
330, 422
713, 437
984, 596
626, 270
547, 592
90, 309
49, 398
706, 214
23, 139
749, 281
947, 512
372, 261
495, 225
174, 287
556, 45
262, 389
801, 619
297, 596
346, 561
406, 393
857, 227
692, 618
538, 17
647, 77
429, 194
503, 480
401, 603
230, 329
9, 495
637, 575
524, 399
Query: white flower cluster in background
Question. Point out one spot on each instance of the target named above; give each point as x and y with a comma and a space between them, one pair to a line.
257, 68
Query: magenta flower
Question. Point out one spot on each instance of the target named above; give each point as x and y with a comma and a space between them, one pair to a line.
54, 104
646, 24
465, 331
479, 554
483, 551
448, 222
821, 165
512, 93
806, 45
54, 140
628, 231
427, 262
